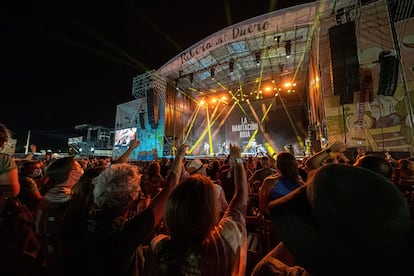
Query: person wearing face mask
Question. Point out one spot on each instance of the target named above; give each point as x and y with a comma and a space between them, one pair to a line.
63, 174
30, 172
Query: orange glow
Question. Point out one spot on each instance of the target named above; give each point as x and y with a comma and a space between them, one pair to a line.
268, 88
289, 84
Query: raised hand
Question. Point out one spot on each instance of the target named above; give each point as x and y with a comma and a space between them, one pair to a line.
235, 151
134, 143
181, 150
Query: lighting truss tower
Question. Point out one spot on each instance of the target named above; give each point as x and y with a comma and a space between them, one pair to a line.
152, 86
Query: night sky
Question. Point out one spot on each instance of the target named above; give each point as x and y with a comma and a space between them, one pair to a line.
66, 63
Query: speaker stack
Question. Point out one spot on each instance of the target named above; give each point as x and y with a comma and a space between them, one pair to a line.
344, 61
388, 74
152, 106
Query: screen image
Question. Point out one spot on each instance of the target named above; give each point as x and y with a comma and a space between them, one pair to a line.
124, 136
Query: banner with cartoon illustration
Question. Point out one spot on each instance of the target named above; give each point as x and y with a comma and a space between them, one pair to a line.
375, 120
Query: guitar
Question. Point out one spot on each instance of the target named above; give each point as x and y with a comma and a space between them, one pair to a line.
358, 124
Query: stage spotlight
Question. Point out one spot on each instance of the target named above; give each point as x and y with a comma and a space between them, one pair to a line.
212, 73
191, 77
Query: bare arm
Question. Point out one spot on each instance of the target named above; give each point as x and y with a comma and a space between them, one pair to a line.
241, 192
281, 253
10, 180
30, 155
268, 183
125, 156
158, 203
315, 160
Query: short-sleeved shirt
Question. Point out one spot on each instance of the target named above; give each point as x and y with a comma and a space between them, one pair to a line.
7, 164
282, 187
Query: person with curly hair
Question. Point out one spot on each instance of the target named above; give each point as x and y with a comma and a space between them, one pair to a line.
117, 229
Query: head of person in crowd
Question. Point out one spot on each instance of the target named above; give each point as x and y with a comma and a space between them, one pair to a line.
287, 165
376, 164
30, 172
116, 187
154, 169
346, 221
251, 163
265, 162
31, 168
406, 167
63, 173
192, 210
196, 166
152, 182
82, 191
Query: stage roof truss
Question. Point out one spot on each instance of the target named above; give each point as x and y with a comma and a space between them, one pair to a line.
268, 46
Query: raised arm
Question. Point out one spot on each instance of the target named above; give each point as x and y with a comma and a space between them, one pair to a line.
241, 192
125, 156
158, 202
314, 162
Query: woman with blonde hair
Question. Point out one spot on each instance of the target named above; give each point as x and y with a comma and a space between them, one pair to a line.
200, 242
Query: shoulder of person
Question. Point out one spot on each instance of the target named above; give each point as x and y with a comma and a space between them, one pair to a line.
162, 245
272, 177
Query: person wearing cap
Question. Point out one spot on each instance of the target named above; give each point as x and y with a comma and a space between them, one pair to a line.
195, 166
199, 241
345, 221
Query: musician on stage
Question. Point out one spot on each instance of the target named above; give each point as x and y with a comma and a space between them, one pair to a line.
253, 146
206, 148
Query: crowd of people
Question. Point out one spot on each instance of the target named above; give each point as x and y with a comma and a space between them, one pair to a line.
331, 214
